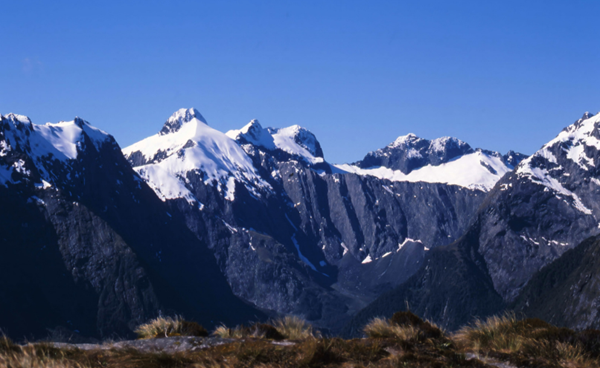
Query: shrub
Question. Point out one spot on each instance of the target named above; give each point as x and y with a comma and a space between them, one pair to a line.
167, 326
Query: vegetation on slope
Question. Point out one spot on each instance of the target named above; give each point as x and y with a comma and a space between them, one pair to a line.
404, 340
168, 326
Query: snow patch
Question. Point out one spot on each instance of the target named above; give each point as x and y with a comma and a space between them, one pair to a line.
230, 194
470, 171
43, 185
406, 240
541, 177
165, 185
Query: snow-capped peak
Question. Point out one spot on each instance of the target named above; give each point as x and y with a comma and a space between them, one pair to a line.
574, 142
61, 140
561, 163
294, 140
179, 118
187, 145
404, 140
253, 133
586, 115
18, 118
45, 144
442, 160
298, 141
409, 152
445, 144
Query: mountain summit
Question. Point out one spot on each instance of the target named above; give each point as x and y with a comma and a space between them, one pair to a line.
293, 140
442, 160
410, 152
179, 118
185, 146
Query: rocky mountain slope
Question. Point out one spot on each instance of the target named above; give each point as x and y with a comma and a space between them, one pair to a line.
297, 235
566, 291
547, 206
87, 245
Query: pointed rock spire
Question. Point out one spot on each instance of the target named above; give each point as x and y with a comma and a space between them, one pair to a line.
179, 118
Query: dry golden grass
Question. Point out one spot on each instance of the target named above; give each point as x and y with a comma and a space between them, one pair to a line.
380, 328
290, 328
530, 342
294, 328
250, 353
499, 333
223, 332
402, 341
36, 356
404, 326
167, 326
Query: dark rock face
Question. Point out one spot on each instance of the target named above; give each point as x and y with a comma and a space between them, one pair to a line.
182, 116
411, 152
514, 158
86, 244
567, 291
451, 289
535, 214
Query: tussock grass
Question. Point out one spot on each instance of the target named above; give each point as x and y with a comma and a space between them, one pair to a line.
507, 334
250, 353
289, 328
38, 356
223, 332
405, 340
380, 328
258, 330
295, 328
6, 345
501, 333
168, 326
531, 342
404, 326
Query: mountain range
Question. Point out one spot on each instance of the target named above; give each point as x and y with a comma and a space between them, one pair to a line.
238, 226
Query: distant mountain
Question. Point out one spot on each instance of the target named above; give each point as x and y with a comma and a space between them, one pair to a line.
548, 205
296, 235
443, 160
86, 245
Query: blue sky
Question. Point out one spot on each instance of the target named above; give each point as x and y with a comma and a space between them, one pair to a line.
497, 74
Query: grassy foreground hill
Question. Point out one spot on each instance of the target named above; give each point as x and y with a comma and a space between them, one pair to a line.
404, 340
